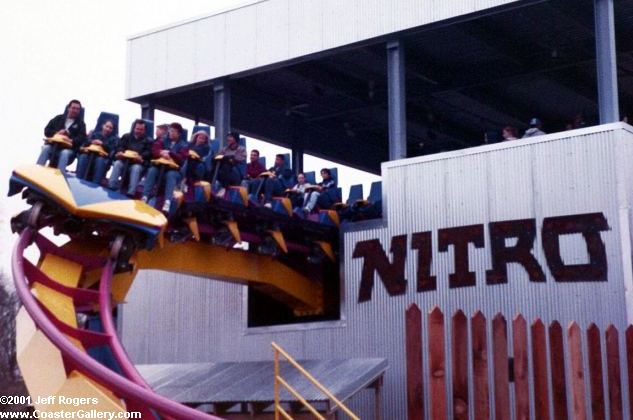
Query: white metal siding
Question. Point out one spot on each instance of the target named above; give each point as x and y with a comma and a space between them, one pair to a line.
272, 31
588, 171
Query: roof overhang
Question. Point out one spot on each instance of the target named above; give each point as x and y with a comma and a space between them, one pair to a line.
466, 75
260, 34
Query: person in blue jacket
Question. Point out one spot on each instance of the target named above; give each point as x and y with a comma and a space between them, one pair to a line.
106, 138
195, 167
69, 124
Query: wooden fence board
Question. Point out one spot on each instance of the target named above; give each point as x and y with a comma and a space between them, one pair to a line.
521, 371
460, 365
437, 364
480, 366
613, 373
577, 373
557, 363
594, 355
415, 388
539, 369
500, 363
477, 344
629, 364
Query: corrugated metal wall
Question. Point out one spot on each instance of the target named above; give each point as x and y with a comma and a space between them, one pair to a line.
272, 31
590, 171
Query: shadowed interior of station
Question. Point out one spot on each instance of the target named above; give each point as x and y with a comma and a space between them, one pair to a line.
465, 77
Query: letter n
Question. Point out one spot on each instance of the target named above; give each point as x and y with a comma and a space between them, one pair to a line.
375, 260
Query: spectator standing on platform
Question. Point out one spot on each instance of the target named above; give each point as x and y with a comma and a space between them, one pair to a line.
69, 124
509, 132
578, 122
535, 129
136, 141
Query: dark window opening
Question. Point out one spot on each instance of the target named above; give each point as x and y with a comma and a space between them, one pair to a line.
264, 310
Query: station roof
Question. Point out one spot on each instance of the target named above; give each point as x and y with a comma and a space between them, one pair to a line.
467, 73
252, 382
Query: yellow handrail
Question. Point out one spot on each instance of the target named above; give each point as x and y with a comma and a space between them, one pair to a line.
279, 380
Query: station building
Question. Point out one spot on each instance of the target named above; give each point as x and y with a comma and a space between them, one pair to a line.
417, 92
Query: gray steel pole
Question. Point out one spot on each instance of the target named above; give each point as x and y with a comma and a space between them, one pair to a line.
147, 112
606, 62
397, 101
297, 159
221, 109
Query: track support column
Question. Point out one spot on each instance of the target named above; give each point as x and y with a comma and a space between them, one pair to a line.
221, 109
397, 100
606, 62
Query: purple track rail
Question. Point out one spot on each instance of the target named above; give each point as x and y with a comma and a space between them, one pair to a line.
132, 387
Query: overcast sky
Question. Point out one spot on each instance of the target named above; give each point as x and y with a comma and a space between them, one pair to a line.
53, 51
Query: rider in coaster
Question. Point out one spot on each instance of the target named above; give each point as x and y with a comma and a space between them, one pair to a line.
161, 132
200, 145
136, 141
69, 124
234, 155
274, 185
300, 194
107, 139
324, 200
172, 148
253, 168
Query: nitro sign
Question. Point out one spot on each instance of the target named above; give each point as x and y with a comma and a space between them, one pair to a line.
392, 273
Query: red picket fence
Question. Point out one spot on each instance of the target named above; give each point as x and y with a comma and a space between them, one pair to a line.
514, 368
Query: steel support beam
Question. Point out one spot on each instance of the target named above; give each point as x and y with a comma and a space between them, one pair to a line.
221, 109
397, 100
147, 111
297, 159
606, 62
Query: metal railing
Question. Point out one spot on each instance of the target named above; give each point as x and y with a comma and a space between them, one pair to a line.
279, 410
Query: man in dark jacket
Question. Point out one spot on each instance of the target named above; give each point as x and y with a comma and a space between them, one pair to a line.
172, 148
136, 141
69, 124
227, 169
275, 185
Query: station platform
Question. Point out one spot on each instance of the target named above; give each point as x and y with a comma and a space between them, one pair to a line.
244, 389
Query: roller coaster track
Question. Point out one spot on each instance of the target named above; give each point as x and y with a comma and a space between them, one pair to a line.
111, 238
52, 347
